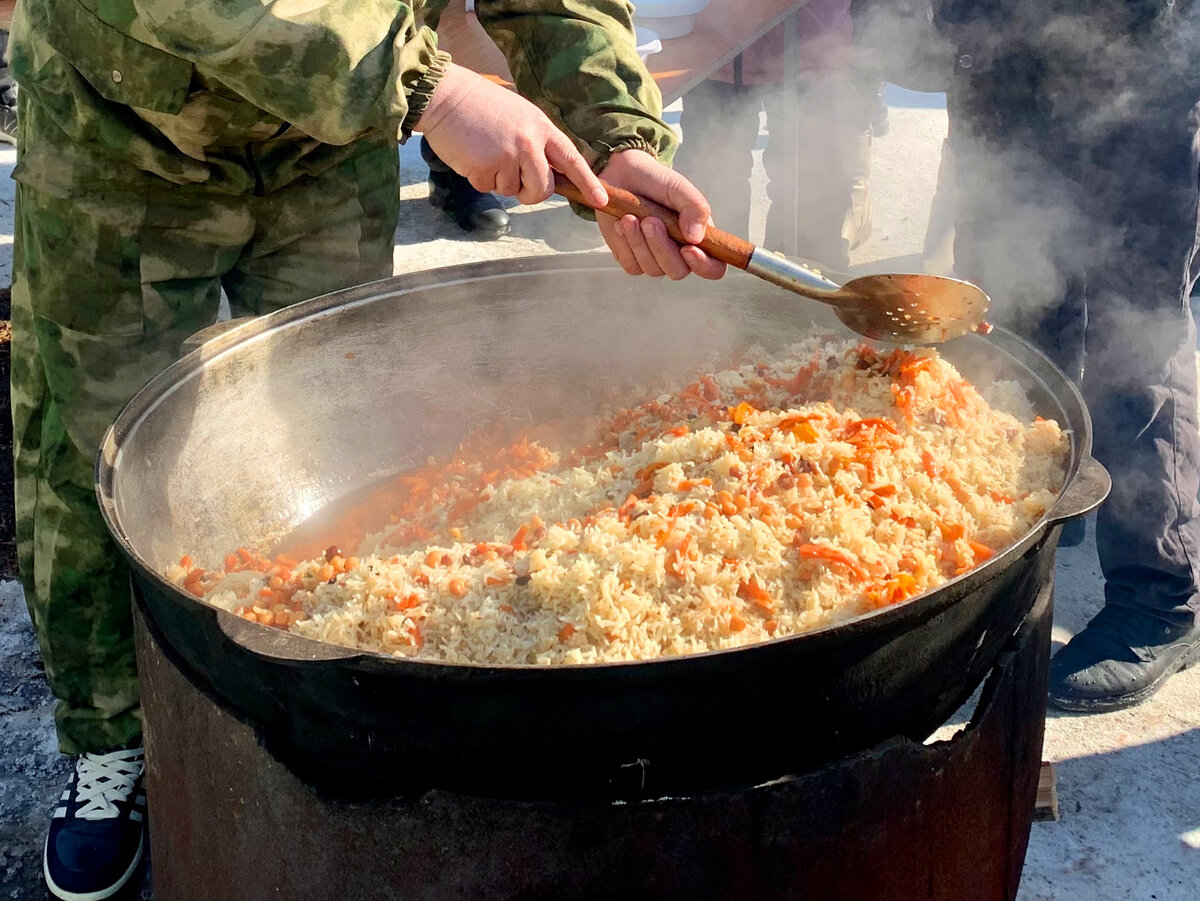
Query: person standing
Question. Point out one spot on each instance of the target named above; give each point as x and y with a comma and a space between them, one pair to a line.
829, 166
171, 150
1074, 128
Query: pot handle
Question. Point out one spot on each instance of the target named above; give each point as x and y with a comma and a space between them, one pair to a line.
1084, 494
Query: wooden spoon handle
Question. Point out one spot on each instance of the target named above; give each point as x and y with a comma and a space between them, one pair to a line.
718, 244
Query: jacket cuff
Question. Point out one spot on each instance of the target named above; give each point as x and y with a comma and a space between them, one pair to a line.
421, 89
662, 149
604, 152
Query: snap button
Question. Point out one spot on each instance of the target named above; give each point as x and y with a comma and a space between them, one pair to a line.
117, 77
966, 61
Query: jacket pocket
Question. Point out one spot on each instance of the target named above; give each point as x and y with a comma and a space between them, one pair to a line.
118, 67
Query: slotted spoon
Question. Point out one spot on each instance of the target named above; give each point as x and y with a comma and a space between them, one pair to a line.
904, 309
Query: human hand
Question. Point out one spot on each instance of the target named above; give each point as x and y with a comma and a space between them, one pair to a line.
645, 248
501, 142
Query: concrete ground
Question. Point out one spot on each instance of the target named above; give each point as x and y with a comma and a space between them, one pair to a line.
1129, 782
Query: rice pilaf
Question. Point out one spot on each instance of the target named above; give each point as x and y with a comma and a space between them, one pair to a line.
762, 500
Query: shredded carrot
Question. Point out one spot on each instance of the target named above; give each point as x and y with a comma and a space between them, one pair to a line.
804, 431
982, 551
736, 623
566, 632
741, 413
897, 588
518, 540
833, 555
959, 489
754, 592
408, 603
952, 532
931, 469
861, 425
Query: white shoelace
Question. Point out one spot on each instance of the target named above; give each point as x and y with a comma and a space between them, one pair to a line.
104, 780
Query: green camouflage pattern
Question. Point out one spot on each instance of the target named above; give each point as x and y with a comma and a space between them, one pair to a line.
108, 283
170, 148
577, 60
178, 87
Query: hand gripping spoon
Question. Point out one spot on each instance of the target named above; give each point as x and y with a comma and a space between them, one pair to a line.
903, 309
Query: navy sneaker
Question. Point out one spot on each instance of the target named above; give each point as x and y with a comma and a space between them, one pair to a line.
97, 832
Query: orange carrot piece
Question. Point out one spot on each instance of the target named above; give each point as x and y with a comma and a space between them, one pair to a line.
408, 603
931, 469
742, 412
982, 551
753, 591
518, 541
833, 555
952, 532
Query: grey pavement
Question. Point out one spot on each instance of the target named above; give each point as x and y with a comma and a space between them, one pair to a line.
1129, 782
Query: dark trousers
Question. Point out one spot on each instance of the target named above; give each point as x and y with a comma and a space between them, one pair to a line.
1078, 214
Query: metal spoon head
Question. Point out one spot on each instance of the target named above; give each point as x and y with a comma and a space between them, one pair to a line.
912, 309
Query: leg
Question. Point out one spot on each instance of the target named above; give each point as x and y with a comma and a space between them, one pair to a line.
720, 129
102, 299
1140, 380
320, 234
829, 168
1140, 383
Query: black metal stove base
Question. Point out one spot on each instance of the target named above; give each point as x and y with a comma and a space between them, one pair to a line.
903, 821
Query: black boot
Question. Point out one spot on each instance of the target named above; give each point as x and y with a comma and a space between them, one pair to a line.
1122, 657
474, 211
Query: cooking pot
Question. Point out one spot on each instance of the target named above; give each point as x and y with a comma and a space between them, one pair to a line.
246, 438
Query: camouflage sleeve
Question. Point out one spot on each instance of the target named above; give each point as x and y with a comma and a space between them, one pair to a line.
336, 69
576, 59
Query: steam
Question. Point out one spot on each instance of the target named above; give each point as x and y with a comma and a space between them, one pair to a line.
1076, 82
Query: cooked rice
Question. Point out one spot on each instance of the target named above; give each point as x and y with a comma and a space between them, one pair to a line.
738, 509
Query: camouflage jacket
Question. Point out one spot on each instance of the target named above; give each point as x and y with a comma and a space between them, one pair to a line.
244, 95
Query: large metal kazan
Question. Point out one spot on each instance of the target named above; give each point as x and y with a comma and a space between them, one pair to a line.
248, 437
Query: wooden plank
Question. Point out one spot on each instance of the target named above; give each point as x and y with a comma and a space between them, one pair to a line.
723, 30
1046, 806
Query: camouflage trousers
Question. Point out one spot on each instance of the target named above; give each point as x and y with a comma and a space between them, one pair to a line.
110, 276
